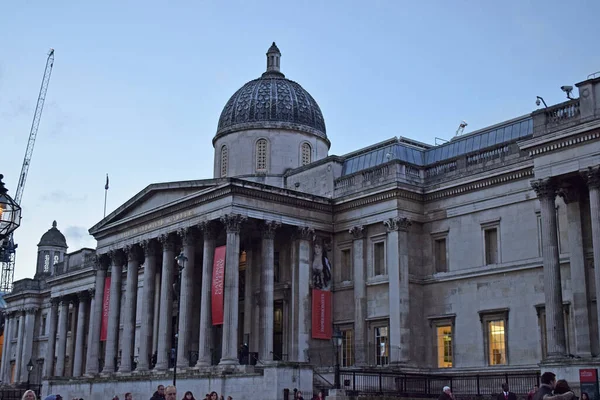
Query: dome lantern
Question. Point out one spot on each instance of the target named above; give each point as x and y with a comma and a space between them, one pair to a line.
273, 60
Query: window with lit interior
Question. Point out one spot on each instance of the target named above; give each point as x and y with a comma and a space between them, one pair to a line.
382, 351
306, 154
495, 328
347, 350
444, 346
261, 155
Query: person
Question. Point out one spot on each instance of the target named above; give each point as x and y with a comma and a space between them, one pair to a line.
585, 396
29, 395
214, 396
506, 393
170, 393
562, 387
159, 394
128, 396
446, 394
188, 396
299, 395
532, 392
53, 397
545, 392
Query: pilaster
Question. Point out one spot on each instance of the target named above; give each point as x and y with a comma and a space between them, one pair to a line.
593, 181
360, 296
305, 236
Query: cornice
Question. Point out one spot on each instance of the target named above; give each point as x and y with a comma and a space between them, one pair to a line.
324, 206
391, 194
565, 142
567, 137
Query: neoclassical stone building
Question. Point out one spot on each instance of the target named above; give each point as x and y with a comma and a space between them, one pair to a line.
480, 254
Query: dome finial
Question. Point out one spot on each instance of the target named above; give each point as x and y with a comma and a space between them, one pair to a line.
273, 57
54, 224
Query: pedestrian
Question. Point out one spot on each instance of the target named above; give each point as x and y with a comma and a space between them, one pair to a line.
188, 396
170, 393
506, 393
159, 394
29, 395
446, 394
545, 392
128, 396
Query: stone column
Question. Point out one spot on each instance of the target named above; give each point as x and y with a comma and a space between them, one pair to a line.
593, 181
27, 341
249, 289
205, 339
165, 327
555, 326
397, 268
267, 288
6, 346
185, 298
131, 285
233, 223
360, 296
93, 353
112, 334
147, 327
572, 198
61, 348
70, 354
84, 298
18, 357
51, 346
305, 239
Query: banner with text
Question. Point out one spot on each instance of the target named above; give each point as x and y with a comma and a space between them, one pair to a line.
588, 381
321, 314
218, 285
105, 309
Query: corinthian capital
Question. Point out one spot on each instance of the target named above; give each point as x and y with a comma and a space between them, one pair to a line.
269, 228
187, 235
117, 257
570, 194
233, 222
208, 230
397, 224
593, 177
150, 247
132, 252
167, 242
306, 233
357, 232
544, 188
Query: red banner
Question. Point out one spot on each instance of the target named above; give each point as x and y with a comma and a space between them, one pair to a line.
321, 314
588, 375
105, 309
218, 286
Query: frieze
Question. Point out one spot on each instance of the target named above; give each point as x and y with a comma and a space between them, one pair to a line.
154, 225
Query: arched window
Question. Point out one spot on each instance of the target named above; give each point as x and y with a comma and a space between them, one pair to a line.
261, 155
306, 154
224, 161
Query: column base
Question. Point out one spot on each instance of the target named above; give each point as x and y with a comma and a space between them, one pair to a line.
203, 364
229, 361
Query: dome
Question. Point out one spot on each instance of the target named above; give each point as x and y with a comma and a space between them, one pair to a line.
53, 238
272, 101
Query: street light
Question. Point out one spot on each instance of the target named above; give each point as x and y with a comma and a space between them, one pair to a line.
29, 369
181, 260
336, 340
10, 212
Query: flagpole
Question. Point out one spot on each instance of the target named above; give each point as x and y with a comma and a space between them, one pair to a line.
105, 195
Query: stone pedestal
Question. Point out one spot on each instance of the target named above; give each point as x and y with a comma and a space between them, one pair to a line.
568, 369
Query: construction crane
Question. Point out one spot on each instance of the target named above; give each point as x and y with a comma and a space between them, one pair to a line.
8, 248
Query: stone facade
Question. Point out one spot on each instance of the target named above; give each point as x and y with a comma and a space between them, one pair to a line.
482, 254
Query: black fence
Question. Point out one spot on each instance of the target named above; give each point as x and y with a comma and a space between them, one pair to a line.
17, 393
430, 386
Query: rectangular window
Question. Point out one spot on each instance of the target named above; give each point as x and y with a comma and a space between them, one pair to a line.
16, 332
276, 268
347, 350
382, 346
494, 324
491, 245
444, 346
439, 254
346, 265
379, 268
43, 329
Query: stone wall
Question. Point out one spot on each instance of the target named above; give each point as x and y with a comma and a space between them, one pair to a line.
265, 386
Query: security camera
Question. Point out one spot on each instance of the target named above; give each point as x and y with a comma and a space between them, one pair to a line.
567, 90
537, 102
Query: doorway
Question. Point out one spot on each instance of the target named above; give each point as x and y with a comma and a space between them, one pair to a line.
278, 331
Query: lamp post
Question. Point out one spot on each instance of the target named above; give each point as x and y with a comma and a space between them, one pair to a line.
336, 339
29, 369
10, 212
181, 260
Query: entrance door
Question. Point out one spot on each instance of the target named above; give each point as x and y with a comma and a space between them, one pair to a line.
278, 331
217, 344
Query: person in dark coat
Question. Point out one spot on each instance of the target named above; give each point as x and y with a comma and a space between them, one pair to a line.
506, 393
159, 394
545, 392
446, 394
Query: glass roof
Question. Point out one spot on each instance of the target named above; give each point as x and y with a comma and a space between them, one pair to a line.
469, 144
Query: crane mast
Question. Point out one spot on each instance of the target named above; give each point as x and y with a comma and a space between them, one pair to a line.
8, 248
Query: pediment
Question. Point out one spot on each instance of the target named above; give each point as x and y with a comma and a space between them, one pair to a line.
154, 197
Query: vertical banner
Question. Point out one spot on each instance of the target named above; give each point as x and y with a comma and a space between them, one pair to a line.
105, 309
218, 285
321, 314
588, 380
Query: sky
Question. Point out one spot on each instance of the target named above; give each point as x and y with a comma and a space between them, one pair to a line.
138, 86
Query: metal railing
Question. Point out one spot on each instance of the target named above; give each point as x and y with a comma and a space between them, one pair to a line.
17, 393
421, 385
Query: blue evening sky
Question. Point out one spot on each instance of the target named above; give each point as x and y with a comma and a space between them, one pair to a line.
138, 86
